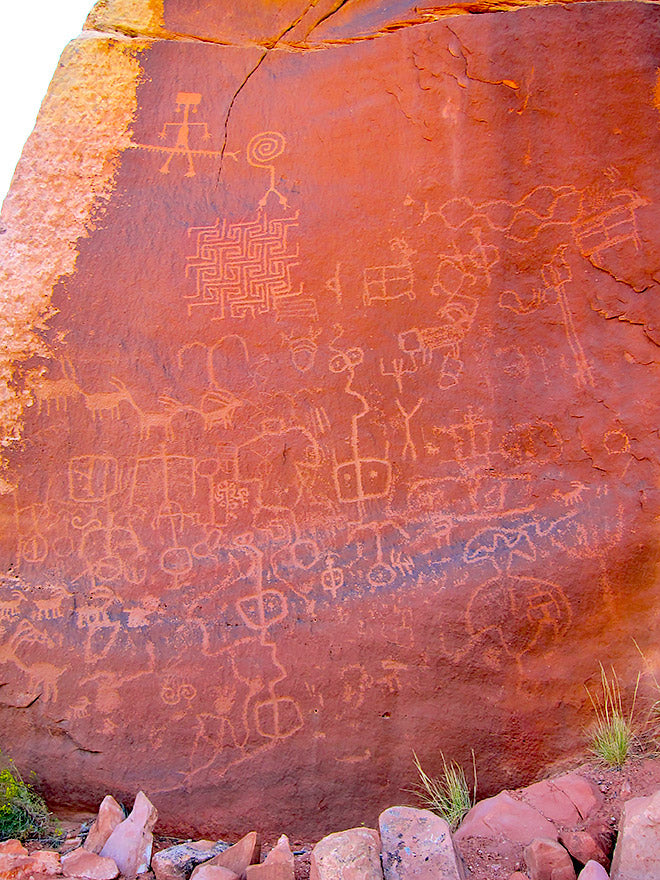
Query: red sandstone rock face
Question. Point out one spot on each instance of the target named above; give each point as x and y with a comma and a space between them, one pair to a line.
343, 435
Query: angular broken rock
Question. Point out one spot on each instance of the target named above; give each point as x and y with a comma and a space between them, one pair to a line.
236, 858
551, 802
503, 814
13, 847
215, 872
637, 851
131, 841
417, 845
585, 796
584, 847
347, 855
16, 865
593, 871
178, 862
81, 863
548, 860
109, 816
278, 864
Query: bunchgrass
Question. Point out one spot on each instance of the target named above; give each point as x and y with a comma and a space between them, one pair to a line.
448, 795
23, 813
613, 732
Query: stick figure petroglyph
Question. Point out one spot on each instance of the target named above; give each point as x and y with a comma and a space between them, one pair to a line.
261, 150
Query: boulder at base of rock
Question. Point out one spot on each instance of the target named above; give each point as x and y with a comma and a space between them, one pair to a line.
584, 847
16, 865
178, 862
236, 858
131, 841
551, 802
417, 845
12, 847
585, 796
81, 863
214, 872
593, 871
637, 851
503, 814
347, 855
109, 816
548, 860
278, 864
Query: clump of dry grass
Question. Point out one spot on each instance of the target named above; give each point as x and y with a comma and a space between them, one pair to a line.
613, 732
448, 795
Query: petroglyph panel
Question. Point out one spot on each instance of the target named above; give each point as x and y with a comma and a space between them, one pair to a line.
343, 436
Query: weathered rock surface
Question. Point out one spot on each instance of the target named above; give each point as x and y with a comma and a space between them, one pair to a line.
131, 842
563, 800
177, 862
347, 855
89, 865
637, 851
328, 372
548, 860
506, 815
110, 815
417, 845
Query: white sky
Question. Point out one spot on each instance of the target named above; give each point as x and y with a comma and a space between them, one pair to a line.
33, 34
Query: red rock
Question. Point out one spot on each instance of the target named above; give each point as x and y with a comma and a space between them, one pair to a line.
12, 847
584, 794
417, 845
15, 865
593, 871
505, 815
278, 864
109, 816
518, 875
584, 847
347, 855
215, 872
548, 860
309, 312
89, 865
604, 836
236, 858
551, 802
637, 851
131, 841
177, 862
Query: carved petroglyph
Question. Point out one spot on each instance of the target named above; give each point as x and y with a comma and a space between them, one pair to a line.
556, 274
286, 463
244, 269
390, 282
101, 402
261, 150
516, 616
47, 391
408, 447
187, 137
359, 478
